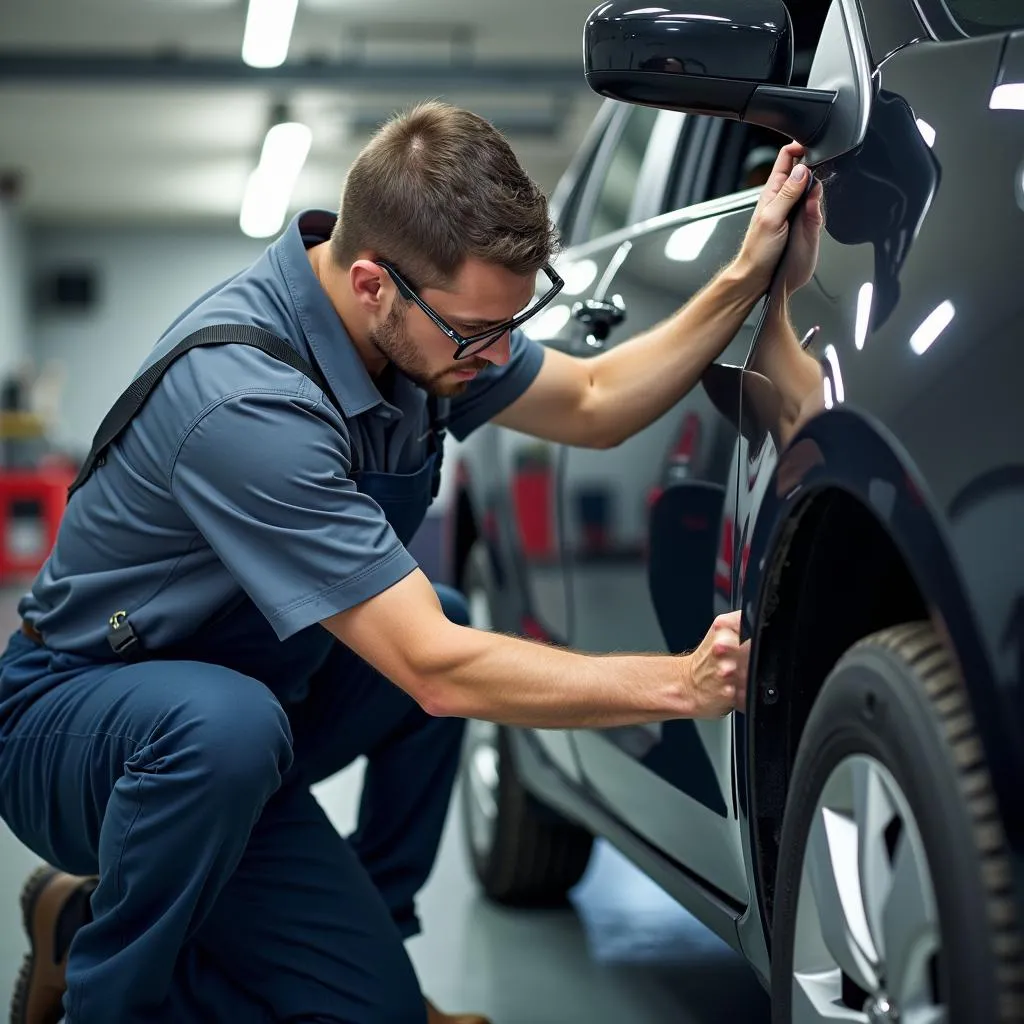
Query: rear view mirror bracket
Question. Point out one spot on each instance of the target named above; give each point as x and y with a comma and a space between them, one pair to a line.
797, 113
841, 65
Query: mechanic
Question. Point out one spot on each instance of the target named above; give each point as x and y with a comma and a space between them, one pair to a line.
230, 613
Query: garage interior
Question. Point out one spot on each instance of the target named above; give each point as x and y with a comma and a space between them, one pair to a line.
131, 130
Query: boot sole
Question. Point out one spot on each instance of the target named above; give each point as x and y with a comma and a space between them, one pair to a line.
30, 893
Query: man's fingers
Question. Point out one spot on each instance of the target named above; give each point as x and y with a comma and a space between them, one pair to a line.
778, 209
794, 185
812, 208
781, 169
728, 620
726, 641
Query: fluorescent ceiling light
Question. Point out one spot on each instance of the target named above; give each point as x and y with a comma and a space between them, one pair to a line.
269, 190
864, 297
268, 32
1009, 96
934, 324
685, 244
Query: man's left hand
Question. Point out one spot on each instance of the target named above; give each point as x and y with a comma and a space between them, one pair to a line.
769, 226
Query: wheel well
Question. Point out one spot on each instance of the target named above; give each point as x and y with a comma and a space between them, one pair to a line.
836, 578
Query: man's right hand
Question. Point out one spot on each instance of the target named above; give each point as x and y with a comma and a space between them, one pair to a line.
718, 669
769, 226
456, 671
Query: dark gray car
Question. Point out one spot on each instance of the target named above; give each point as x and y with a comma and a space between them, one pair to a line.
857, 833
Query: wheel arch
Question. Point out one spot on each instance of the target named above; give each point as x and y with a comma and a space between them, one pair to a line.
842, 489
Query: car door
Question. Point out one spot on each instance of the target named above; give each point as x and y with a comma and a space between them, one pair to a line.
641, 522
602, 200
601, 191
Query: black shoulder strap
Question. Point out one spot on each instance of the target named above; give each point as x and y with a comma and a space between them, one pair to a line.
438, 411
139, 390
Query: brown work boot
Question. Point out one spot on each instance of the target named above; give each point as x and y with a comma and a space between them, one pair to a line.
53, 907
435, 1016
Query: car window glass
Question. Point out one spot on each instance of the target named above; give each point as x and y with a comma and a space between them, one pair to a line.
567, 214
743, 158
611, 210
981, 17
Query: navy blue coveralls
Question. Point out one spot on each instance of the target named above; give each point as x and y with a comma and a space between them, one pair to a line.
239, 509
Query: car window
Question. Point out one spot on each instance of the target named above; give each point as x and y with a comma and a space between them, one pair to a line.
744, 160
566, 215
982, 17
615, 199
722, 157
567, 197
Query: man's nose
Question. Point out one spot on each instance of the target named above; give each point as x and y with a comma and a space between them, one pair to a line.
500, 352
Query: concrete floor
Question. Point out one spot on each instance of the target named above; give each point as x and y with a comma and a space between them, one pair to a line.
625, 953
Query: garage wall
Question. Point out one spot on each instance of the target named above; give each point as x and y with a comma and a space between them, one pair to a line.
141, 280
14, 325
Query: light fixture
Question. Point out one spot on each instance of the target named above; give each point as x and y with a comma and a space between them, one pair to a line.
860, 330
269, 189
1008, 96
934, 324
686, 243
268, 32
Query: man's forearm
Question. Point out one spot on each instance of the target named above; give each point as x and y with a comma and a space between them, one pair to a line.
795, 373
636, 383
517, 682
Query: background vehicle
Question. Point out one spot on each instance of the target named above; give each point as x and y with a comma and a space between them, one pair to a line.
857, 833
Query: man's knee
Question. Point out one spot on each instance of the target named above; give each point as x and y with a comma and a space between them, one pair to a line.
230, 734
453, 604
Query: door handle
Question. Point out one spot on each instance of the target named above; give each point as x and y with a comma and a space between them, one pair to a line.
599, 317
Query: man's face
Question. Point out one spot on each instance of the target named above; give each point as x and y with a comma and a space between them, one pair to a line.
480, 295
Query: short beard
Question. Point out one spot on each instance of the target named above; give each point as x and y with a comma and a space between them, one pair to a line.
391, 340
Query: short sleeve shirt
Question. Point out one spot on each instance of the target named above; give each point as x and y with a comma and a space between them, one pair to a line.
234, 476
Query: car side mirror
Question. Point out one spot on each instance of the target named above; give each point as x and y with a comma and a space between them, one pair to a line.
726, 58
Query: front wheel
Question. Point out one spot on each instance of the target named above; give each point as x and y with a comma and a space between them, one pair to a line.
523, 854
893, 898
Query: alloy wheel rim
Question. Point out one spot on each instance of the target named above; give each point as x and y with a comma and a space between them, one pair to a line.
867, 936
481, 752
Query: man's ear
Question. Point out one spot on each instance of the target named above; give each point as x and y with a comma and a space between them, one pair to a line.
371, 286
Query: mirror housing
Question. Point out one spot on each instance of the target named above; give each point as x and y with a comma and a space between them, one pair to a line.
726, 58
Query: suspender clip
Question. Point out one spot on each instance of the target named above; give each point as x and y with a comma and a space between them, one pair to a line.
123, 640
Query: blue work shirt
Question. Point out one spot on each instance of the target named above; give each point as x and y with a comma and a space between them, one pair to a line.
235, 473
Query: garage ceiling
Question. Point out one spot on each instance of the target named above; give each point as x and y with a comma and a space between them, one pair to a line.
142, 110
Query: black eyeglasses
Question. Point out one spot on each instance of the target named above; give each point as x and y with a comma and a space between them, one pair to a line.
471, 345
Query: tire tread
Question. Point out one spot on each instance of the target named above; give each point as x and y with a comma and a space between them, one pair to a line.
920, 647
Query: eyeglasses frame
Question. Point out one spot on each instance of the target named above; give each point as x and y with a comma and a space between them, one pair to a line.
464, 342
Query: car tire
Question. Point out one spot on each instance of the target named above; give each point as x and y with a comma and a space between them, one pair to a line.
523, 853
890, 784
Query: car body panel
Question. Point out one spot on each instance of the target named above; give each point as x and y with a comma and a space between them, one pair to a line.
685, 801
909, 244
949, 498
914, 412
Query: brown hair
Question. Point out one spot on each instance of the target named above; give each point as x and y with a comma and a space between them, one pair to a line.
437, 185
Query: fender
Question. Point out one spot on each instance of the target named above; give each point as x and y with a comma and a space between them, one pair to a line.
845, 449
